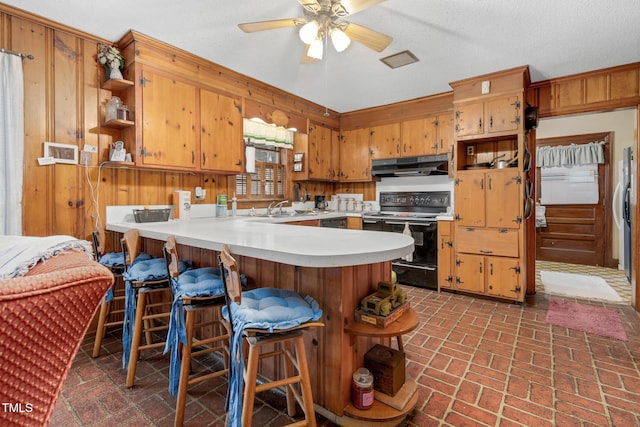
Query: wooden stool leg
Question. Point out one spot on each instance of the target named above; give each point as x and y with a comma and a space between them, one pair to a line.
185, 368
251, 375
288, 373
305, 382
101, 329
135, 341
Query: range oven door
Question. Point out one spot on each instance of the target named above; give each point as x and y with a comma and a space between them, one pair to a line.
422, 271
372, 224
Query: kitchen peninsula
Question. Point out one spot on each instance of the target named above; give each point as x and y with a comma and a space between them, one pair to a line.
337, 267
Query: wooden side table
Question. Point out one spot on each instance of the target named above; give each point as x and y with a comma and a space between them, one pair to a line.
381, 414
404, 324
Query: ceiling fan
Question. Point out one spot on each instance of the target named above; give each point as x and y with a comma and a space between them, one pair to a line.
323, 20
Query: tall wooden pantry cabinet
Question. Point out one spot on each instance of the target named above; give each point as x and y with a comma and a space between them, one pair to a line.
489, 185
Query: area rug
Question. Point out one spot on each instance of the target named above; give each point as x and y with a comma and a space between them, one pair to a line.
586, 318
578, 285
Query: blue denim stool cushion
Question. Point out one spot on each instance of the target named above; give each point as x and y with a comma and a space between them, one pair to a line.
201, 282
264, 308
110, 260
143, 268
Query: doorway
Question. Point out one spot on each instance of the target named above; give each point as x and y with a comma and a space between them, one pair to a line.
578, 233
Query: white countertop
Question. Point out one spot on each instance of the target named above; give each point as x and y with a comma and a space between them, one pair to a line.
269, 239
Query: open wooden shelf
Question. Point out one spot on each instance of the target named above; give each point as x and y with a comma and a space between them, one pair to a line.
118, 124
117, 84
381, 412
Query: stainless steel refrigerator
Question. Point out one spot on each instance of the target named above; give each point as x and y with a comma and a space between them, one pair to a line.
629, 191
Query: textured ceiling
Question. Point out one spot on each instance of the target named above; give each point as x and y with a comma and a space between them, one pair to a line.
453, 39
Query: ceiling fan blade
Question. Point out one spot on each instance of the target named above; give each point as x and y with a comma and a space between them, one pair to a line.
366, 36
312, 6
349, 7
306, 59
251, 27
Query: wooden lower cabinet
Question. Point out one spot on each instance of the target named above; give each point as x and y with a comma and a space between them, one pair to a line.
492, 275
354, 222
445, 255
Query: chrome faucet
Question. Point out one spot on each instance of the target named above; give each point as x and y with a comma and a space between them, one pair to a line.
279, 205
269, 208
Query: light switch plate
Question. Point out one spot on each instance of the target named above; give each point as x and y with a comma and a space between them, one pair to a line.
486, 87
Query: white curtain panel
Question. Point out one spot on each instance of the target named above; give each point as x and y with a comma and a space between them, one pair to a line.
11, 143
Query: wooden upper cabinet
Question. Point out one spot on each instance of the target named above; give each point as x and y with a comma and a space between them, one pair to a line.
169, 117
320, 155
385, 141
501, 115
221, 133
355, 158
419, 137
488, 198
445, 138
469, 119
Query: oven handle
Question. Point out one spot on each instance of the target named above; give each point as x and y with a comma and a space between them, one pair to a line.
410, 223
419, 267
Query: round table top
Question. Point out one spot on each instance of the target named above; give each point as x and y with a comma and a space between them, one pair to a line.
404, 324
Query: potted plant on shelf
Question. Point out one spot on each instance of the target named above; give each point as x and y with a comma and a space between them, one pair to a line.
112, 61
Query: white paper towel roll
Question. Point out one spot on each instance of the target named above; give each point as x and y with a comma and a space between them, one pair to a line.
250, 156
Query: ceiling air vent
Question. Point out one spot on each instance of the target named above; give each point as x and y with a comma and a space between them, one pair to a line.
400, 59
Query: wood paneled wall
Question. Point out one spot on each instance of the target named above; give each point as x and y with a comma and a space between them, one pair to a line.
64, 102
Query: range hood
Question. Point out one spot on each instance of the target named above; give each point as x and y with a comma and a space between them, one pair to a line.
436, 164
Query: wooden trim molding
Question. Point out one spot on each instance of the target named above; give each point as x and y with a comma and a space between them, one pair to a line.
599, 90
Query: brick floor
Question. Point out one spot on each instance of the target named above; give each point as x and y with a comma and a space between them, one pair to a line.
477, 362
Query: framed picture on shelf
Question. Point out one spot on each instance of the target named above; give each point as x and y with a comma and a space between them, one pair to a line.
297, 167
62, 153
297, 157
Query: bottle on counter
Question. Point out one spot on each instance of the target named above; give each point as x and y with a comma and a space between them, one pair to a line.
234, 205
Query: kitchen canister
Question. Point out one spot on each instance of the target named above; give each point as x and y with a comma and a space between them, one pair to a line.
111, 109
362, 389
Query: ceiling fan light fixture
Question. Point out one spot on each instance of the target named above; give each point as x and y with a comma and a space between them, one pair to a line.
309, 32
339, 39
315, 49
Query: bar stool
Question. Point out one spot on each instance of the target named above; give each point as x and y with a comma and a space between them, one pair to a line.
148, 301
271, 318
193, 291
115, 295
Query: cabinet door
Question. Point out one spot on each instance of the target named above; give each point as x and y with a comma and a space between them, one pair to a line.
503, 114
470, 272
169, 136
503, 199
445, 254
385, 141
418, 137
334, 164
221, 141
319, 152
470, 199
504, 278
444, 139
355, 159
469, 119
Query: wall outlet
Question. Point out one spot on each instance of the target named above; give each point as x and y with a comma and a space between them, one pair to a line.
486, 87
470, 150
85, 158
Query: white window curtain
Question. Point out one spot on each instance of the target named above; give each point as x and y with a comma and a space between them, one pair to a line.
11, 143
570, 155
266, 134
